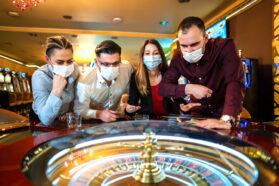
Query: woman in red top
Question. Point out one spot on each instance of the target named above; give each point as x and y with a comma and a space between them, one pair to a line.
143, 92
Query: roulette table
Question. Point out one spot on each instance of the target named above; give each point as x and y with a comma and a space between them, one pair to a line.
145, 152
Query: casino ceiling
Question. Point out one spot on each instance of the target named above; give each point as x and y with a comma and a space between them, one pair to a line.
22, 36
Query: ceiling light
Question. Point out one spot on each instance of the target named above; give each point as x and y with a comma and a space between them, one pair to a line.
117, 20
183, 1
16, 61
241, 9
33, 34
36, 66
13, 60
164, 22
124, 61
8, 43
13, 14
67, 17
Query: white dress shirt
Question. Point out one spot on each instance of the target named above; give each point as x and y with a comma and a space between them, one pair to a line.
93, 93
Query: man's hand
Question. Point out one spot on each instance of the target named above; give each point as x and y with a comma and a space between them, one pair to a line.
58, 84
121, 110
198, 91
132, 108
62, 118
213, 124
107, 115
186, 108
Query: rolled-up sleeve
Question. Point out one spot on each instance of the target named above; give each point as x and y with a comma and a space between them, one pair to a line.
46, 105
82, 102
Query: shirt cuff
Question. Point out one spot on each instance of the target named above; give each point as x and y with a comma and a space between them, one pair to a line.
180, 91
55, 103
90, 114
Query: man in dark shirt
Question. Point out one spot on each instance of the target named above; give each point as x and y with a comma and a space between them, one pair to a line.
214, 71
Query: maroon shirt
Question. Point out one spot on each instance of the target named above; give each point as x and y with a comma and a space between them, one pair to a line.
220, 69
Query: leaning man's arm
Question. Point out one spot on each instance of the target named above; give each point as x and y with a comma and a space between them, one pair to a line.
82, 102
234, 78
169, 86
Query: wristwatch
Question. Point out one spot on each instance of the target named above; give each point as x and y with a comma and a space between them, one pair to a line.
188, 98
228, 119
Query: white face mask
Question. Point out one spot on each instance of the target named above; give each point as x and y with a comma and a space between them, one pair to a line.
64, 71
109, 73
193, 57
152, 62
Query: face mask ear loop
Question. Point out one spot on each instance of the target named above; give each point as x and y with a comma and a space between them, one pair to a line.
50, 63
72, 68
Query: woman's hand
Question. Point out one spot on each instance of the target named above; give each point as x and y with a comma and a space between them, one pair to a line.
132, 108
189, 106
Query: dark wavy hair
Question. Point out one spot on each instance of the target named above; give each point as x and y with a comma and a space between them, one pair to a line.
107, 47
188, 22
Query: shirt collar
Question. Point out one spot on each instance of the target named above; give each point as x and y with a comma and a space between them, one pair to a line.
50, 69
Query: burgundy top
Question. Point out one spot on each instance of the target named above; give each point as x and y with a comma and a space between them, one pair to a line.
157, 101
220, 69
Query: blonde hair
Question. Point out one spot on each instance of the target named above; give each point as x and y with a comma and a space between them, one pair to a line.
57, 42
141, 70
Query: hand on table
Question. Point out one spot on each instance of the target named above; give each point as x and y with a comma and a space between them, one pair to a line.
107, 115
213, 124
132, 108
58, 84
186, 108
198, 91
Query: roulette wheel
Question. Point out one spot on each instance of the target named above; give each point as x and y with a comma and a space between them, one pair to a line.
148, 152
